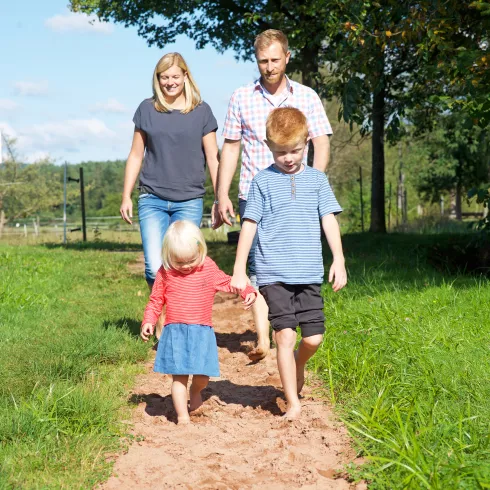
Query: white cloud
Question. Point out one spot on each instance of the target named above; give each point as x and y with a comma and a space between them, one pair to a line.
78, 22
8, 105
31, 88
71, 133
37, 156
110, 105
62, 137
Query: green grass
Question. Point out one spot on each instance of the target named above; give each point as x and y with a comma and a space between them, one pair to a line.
406, 359
69, 353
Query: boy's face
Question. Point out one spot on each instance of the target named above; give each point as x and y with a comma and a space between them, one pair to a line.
287, 158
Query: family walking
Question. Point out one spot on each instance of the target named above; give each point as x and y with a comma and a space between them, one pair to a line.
284, 205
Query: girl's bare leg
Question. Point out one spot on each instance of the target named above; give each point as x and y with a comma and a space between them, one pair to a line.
199, 382
285, 340
179, 397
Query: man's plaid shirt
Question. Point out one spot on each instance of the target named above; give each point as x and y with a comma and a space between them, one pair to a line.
246, 117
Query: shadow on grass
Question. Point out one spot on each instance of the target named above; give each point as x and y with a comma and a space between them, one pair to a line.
264, 397
97, 245
130, 325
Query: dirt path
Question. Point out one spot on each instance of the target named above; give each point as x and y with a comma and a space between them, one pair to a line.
238, 440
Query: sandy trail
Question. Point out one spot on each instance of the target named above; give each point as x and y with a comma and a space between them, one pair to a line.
237, 440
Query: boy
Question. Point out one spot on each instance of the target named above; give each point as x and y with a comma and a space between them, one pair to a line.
285, 204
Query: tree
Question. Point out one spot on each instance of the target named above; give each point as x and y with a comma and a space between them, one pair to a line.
383, 56
455, 156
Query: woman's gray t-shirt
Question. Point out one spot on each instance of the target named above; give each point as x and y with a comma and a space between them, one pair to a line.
174, 167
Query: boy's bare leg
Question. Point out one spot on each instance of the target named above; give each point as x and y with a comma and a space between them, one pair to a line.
199, 382
260, 312
179, 397
307, 347
285, 340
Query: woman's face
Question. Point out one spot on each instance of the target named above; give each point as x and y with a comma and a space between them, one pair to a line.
172, 82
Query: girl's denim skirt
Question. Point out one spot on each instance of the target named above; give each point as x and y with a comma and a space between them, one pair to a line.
187, 349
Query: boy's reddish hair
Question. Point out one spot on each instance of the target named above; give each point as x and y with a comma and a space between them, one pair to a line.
286, 126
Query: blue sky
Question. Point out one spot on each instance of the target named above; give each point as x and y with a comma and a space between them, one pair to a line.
68, 90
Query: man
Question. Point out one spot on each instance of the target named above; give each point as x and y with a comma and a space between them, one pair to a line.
245, 123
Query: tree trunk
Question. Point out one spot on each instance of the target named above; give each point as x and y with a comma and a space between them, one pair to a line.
378, 224
2, 221
458, 203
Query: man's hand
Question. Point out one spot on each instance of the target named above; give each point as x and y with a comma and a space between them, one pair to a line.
146, 331
224, 207
338, 274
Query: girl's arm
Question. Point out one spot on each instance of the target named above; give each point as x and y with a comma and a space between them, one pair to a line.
133, 167
157, 299
337, 270
222, 283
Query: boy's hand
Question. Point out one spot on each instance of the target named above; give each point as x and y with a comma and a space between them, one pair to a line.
249, 300
238, 282
146, 331
338, 272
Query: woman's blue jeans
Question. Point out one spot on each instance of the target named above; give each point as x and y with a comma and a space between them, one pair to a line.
155, 216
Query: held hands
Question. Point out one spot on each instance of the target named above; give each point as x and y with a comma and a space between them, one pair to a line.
216, 220
338, 274
224, 207
238, 282
146, 331
249, 300
126, 210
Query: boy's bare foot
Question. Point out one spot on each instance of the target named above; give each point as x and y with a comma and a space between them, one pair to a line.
258, 353
293, 412
195, 400
183, 420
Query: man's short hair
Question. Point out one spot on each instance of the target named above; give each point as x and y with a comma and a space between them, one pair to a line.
286, 126
266, 38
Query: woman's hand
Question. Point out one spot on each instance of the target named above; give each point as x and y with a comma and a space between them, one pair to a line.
249, 300
126, 210
146, 331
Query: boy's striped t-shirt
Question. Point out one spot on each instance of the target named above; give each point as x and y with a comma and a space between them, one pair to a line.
287, 210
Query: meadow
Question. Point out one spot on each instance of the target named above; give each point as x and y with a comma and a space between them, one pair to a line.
405, 361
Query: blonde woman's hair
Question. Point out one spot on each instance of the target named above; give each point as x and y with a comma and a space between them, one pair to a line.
183, 240
191, 91
266, 38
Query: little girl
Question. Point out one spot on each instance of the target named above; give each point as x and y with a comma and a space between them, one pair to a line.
187, 283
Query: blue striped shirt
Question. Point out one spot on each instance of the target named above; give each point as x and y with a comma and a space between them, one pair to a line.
287, 210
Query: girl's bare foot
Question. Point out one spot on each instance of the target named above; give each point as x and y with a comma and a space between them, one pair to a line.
183, 420
195, 400
293, 412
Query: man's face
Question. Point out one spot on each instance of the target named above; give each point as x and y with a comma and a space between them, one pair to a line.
272, 63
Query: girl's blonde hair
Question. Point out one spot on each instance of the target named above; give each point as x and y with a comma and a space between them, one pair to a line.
183, 240
191, 92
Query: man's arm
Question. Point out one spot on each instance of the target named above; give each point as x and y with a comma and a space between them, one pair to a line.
321, 157
226, 170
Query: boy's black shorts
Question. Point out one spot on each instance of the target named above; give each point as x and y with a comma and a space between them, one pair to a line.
291, 305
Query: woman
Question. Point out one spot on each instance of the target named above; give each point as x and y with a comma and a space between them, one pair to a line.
175, 133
